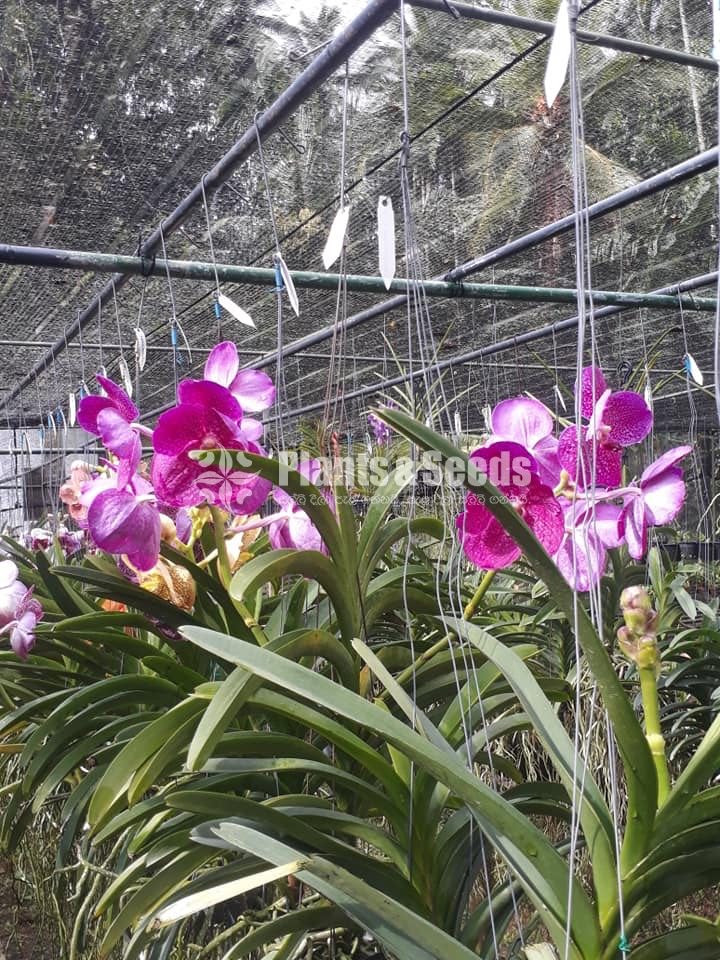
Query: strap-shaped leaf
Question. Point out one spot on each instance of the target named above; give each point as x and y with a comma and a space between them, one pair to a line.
638, 764
527, 851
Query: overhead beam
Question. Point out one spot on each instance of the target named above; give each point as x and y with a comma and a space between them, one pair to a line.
509, 343
304, 279
621, 44
312, 77
686, 170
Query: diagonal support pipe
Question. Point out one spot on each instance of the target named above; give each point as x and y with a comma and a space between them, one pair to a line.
315, 74
686, 170
491, 349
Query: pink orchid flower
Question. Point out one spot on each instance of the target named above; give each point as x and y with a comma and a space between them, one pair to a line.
19, 610
528, 422
657, 500
616, 420
113, 418
207, 417
484, 539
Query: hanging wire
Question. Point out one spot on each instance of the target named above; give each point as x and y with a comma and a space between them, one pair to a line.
216, 305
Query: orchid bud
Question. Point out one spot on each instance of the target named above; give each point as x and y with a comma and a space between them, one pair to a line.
171, 582
637, 611
168, 532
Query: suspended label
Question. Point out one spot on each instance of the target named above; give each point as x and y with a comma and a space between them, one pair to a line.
386, 240
140, 349
72, 409
52, 425
560, 397
458, 423
693, 370
125, 376
234, 310
487, 417
289, 285
336, 237
559, 56
647, 393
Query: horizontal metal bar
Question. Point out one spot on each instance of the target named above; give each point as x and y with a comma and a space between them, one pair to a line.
509, 343
306, 279
622, 44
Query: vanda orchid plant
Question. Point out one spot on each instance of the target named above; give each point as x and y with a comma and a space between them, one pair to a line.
312, 728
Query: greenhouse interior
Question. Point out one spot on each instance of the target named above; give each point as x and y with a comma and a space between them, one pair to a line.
360, 498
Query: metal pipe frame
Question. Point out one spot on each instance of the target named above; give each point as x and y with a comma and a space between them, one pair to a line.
686, 170
509, 343
305, 279
312, 77
648, 50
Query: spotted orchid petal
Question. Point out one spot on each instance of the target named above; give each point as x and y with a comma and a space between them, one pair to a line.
591, 387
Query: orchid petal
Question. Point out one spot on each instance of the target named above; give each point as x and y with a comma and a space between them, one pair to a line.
118, 398
222, 364
206, 393
592, 386
629, 418
664, 496
668, 459
522, 419
253, 390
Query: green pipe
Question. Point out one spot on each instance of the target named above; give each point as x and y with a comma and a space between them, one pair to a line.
265, 277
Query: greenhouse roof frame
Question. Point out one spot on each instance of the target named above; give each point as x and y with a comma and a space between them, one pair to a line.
321, 67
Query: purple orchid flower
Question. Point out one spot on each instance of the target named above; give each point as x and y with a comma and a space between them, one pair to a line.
292, 527
657, 500
19, 610
528, 422
616, 420
207, 417
590, 531
113, 418
484, 539
253, 389
379, 429
127, 521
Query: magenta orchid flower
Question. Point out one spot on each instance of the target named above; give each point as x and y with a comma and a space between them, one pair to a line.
290, 527
484, 539
113, 418
207, 417
253, 389
657, 500
127, 521
19, 610
616, 420
528, 422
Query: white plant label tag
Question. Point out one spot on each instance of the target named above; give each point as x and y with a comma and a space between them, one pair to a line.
234, 310
289, 285
336, 237
559, 57
693, 370
72, 409
487, 417
458, 423
140, 349
560, 397
386, 240
125, 376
